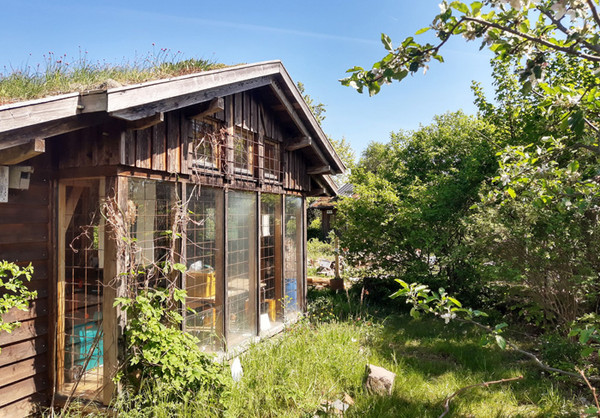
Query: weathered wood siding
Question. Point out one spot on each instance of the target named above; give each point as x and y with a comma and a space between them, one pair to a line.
166, 147
25, 237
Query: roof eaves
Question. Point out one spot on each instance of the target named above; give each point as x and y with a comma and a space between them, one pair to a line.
314, 125
121, 98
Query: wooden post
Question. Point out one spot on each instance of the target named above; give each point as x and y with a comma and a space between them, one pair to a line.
221, 261
304, 255
60, 288
279, 257
225, 267
257, 256
229, 143
182, 248
115, 285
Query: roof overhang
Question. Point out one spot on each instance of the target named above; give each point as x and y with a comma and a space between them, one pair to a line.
21, 122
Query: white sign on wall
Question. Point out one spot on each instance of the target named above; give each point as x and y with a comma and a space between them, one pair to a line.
3, 184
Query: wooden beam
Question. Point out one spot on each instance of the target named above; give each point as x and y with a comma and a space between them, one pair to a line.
321, 137
189, 99
316, 192
325, 169
302, 143
143, 123
217, 104
22, 152
297, 121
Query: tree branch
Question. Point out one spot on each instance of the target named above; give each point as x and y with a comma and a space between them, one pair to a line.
592, 148
594, 12
566, 50
485, 384
532, 356
593, 389
566, 31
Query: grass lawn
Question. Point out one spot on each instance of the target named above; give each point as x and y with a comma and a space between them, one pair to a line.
323, 357
296, 373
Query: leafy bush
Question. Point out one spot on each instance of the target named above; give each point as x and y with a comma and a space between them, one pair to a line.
314, 230
14, 292
160, 353
318, 249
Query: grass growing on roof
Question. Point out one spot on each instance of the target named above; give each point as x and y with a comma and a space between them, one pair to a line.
59, 74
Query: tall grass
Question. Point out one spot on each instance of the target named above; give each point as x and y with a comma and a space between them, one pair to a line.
60, 74
323, 357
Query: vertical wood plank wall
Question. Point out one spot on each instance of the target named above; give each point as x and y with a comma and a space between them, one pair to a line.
165, 147
25, 237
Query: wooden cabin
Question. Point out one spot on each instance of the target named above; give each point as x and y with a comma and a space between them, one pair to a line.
238, 147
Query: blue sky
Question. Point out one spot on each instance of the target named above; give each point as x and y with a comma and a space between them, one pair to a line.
316, 41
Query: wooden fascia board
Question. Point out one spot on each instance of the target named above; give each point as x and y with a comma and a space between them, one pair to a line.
34, 112
297, 121
325, 182
20, 136
330, 184
22, 152
321, 137
178, 102
122, 98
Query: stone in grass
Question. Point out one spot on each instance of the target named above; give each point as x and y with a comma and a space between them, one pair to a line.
379, 380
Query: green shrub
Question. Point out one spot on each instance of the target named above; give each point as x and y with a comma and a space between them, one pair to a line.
159, 353
318, 249
314, 230
14, 292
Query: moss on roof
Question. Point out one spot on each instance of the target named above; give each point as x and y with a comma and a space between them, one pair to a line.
60, 76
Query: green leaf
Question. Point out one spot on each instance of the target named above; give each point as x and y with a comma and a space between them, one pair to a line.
501, 342
180, 267
456, 302
355, 69
438, 57
587, 351
387, 42
460, 6
422, 30
500, 326
476, 7
511, 192
585, 335
577, 122
402, 283
574, 166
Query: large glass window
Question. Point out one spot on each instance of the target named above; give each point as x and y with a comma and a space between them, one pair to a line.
151, 219
293, 246
241, 267
81, 352
204, 276
206, 143
272, 165
271, 291
243, 144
